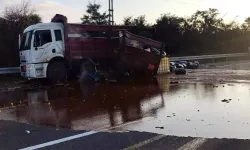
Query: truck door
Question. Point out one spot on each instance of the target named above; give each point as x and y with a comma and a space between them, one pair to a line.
59, 41
42, 45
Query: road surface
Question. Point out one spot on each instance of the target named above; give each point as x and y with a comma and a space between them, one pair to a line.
205, 109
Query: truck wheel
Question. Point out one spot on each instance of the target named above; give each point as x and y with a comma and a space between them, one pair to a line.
86, 69
87, 66
57, 72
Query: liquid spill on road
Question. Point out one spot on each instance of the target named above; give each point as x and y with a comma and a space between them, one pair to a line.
81, 107
182, 109
202, 110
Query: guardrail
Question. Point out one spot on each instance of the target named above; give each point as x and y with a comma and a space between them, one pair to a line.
10, 70
208, 56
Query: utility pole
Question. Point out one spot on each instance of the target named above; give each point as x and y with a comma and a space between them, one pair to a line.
111, 12
111, 23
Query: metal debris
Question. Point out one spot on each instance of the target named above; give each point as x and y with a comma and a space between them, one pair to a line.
159, 127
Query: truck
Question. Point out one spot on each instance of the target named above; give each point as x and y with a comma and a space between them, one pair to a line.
60, 50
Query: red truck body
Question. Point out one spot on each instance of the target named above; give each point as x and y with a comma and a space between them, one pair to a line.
111, 44
88, 41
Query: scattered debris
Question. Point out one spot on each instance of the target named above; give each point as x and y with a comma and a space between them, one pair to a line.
159, 127
174, 82
226, 101
168, 116
188, 119
19, 82
202, 120
27, 131
112, 81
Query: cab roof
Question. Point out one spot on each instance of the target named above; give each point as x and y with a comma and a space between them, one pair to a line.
44, 26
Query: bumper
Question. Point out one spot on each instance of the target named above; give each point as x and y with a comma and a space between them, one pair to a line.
34, 70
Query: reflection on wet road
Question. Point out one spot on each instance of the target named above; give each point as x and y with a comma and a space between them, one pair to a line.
202, 110
82, 107
182, 109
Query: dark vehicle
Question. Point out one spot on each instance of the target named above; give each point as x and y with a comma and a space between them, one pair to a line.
192, 65
178, 65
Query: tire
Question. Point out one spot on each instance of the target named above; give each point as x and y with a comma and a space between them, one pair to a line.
57, 72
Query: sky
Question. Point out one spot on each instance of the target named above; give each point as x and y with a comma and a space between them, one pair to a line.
236, 10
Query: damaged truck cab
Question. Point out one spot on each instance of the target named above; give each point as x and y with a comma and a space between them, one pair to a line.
58, 50
41, 45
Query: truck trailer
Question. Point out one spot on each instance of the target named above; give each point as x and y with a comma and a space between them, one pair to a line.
59, 50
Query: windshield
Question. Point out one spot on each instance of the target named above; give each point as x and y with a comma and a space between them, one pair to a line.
26, 41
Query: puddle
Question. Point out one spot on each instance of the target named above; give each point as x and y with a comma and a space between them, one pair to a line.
200, 110
181, 109
81, 107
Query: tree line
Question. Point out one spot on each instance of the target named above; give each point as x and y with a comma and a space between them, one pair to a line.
204, 32
15, 19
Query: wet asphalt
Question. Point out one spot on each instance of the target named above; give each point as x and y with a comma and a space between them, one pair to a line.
206, 109
23, 136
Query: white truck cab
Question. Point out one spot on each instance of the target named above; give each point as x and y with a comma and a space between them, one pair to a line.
40, 43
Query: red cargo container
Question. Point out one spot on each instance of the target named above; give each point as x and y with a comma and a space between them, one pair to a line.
103, 45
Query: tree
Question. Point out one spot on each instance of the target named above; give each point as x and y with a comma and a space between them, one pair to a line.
128, 21
16, 18
21, 13
168, 29
246, 25
93, 16
140, 21
206, 21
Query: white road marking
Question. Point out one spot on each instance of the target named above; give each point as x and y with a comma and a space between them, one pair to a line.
194, 144
75, 136
143, 143
60, 140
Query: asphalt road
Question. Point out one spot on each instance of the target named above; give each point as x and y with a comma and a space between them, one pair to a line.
205, 109
15, 135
